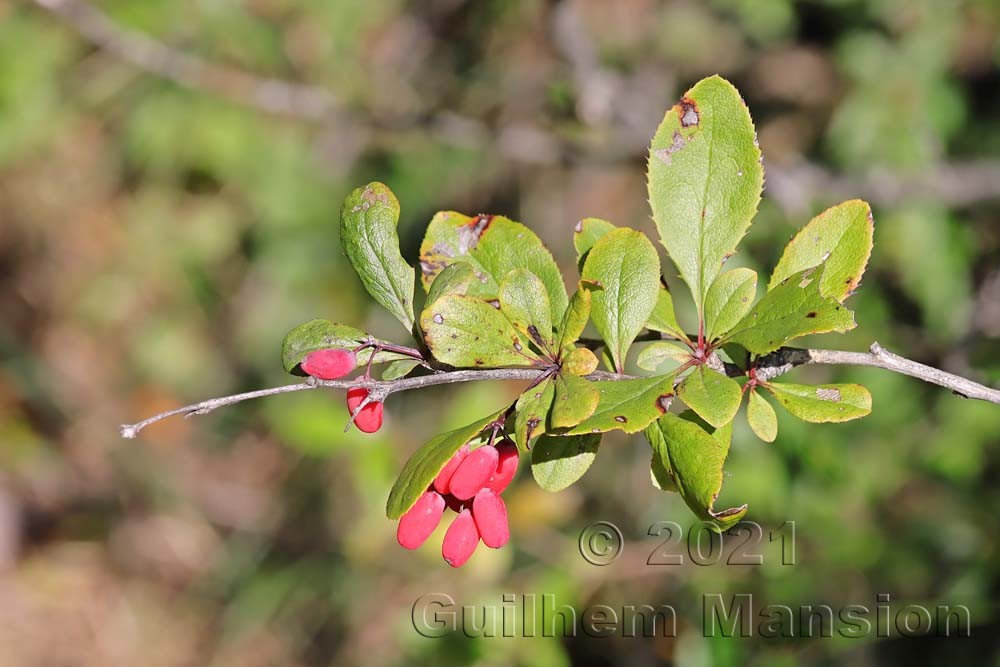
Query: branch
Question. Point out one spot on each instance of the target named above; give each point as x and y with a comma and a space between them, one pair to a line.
378, 390
783, 360
267, 94
767, 368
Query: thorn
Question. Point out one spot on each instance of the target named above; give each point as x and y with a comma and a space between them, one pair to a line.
128, 431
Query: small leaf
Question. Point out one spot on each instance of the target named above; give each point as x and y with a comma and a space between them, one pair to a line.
660, 352
575, 319
705, 180
494, 246
321, 335
823, 403
840, 238
694, 459
624, 263
398, 369
628, 405
760, 415
368, 234
729, 298
454, 279
579, 361
586, 234
712, 395
425, 464
792, 309
558, 462
575, 400
532, 413
662, 318
524, 301
466, 332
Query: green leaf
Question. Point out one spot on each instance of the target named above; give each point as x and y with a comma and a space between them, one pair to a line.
840, 238
465, 332
760, 415
524, 301
628, 405
454, 279
532, 413
558, 462
575, 319
729, 298
494, 246
579, 361
792, 309
659, 474
705, 180
624, 263
398, 369
425, 464
368, 234
575, 400
694, 460
653, 355
662, 318
712, 395
586, 233
323, 334
823, 403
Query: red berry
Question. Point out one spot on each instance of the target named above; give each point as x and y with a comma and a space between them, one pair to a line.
473, 472
329, 364
490, 515
506, 466
441, 481
420, 520
460, 540
369, 419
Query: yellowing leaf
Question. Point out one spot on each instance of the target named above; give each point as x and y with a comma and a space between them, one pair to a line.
840, 238
494, 246
760, 415
792, 309
465, 332
532, 413
823, 403
575, 400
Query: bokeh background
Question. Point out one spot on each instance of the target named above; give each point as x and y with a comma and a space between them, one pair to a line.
171, 173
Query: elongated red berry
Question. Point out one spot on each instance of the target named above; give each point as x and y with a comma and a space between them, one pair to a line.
473, 472
490, 515
441, 481
329, 364
420, 520
460, 540
369, 419
506, 466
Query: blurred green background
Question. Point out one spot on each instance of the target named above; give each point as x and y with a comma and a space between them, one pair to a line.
165, 218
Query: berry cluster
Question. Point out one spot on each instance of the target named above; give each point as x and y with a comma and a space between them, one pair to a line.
334, 363
470, 484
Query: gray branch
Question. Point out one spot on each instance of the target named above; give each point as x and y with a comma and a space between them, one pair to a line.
767, 368
783, 360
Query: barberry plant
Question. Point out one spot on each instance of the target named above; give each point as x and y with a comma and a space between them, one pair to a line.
496, 307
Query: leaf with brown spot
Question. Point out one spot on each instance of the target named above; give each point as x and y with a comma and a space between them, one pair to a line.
637, 400
465, 332
841, 239
532, 413
493, 250
823, 403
